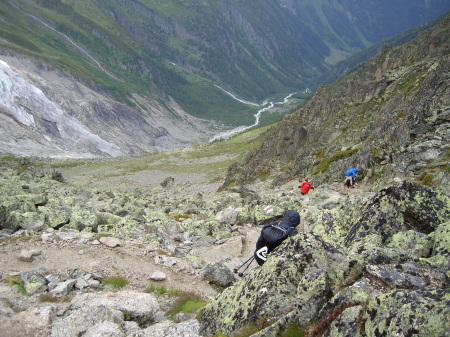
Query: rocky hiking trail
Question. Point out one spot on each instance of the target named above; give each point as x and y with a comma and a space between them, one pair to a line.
65, 251
57, 252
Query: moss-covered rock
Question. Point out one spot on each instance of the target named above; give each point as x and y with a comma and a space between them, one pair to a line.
218, 274
400, 208
33, 281
409, 313
269, 291
84, 219
416, 243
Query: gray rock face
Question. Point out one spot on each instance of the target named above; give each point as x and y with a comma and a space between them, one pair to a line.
139, 307
46, 112
80, 321
348, 278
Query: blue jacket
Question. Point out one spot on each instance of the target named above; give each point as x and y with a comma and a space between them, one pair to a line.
352, 173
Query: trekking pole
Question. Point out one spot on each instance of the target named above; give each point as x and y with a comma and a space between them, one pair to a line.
249, 261
248, 265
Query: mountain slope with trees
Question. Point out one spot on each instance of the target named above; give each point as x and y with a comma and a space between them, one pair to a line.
135, 76
174, 48
388, 117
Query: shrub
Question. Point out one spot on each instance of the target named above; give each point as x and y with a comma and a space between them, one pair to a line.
47, 298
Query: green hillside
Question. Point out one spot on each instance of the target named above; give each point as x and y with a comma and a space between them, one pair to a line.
258, 50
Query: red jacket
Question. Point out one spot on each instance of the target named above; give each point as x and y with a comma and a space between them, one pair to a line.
305, 187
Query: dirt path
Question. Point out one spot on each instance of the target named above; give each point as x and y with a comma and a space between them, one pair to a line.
132, 261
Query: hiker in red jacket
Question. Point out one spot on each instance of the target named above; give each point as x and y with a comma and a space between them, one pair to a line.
305, 187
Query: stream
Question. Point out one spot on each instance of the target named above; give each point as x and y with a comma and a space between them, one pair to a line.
266, 105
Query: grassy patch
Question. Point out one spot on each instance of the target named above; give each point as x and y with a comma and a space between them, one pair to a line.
325, 163
187, 303
293, 331
115, 282
12, 280
248, 330
162, 290
426, 179
47, 298
210, 160
21, 288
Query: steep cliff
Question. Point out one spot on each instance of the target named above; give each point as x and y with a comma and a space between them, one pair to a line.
390, 118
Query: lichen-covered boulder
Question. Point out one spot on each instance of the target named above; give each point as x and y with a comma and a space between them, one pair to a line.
416, 243
34, 282
84, 219
271, 290
56, 216
409, 313
441, 248
218, 274
400, 208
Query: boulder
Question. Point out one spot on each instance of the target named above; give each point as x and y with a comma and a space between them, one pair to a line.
83, 219
80, 320
158, 276
105, 329
34, 281
401, 208
168, 329
270, 290
139, 307
218, 274
110, 241
408, 313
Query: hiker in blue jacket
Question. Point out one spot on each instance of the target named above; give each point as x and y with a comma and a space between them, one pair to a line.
350, 177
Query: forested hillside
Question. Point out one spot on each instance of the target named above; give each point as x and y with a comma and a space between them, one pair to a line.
258, 50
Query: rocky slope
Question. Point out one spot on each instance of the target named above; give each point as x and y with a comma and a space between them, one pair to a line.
109, 78
47, 112
390, 117
366, 261
357, 269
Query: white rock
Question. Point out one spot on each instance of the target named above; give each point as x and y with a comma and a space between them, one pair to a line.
26, 255
110, 242
158, 276
64, 288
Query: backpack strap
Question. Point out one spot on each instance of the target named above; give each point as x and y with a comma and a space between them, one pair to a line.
281, 229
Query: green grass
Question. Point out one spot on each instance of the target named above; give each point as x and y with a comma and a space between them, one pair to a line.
326, 162
187, 303
211, 160
115, 282
161, 290
21, 288
47, 298
293, 331
12, 280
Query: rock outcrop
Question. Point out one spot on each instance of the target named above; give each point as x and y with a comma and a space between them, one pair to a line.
384, 271
364, 263
390, 116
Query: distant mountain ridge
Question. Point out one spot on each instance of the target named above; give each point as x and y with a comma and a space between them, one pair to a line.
156, 60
